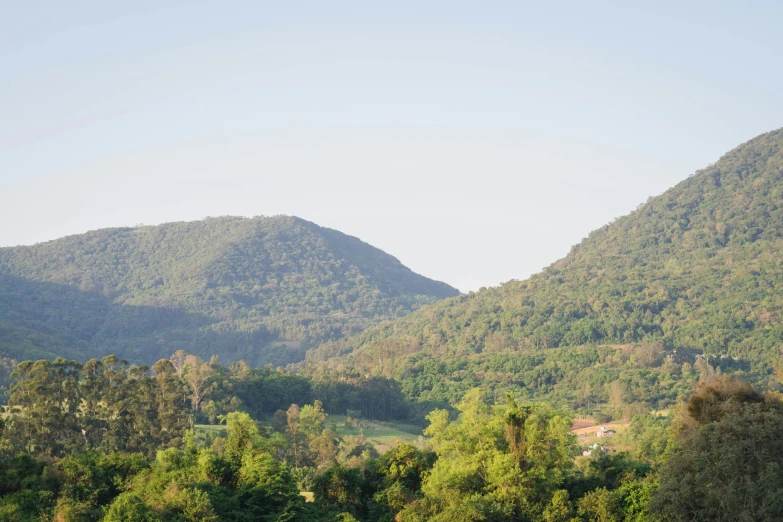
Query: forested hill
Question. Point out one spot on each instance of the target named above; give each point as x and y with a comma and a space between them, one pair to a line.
699, 266
261, 289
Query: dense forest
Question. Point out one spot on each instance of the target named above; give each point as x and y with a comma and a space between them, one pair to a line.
599, 381
261, 289
106, 441
693, 275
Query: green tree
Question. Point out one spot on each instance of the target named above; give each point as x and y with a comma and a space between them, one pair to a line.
45, 400
128, 507
499, 462
170, 405
726, 463
600, 505
242, 437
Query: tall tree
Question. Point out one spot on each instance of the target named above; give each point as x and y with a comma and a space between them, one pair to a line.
171, 406
198, 375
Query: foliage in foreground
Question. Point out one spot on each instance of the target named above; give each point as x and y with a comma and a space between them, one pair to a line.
718, 459
727, 460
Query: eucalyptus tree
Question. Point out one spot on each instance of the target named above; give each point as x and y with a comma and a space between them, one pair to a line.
43, 403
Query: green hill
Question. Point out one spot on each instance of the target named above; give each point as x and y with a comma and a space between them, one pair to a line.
699, 267
262, 289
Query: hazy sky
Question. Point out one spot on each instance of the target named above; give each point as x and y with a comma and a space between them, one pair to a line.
474, 141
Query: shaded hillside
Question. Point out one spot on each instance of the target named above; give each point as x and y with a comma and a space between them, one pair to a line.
700, 266
262, 289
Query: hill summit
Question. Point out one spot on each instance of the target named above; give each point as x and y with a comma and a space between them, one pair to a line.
261, 289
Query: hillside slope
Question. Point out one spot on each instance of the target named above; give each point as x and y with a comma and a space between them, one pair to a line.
700, 266
262, 289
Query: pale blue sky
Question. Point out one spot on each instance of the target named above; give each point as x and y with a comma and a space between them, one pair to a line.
474, 141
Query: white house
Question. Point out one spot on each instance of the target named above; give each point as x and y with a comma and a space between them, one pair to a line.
603, 432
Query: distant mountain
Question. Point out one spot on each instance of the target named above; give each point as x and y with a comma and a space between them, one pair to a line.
699, 267
262, 289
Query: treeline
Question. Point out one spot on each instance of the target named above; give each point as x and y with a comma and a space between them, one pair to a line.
603, 382
75, 405
616, 381
64, 407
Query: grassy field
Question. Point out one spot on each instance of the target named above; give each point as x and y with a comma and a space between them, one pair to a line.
211, 428
382, 435
203, 430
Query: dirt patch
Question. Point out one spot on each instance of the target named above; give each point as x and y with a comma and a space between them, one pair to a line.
591, 430
579, 424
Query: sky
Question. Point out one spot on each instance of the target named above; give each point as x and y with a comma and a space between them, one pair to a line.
474, 141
